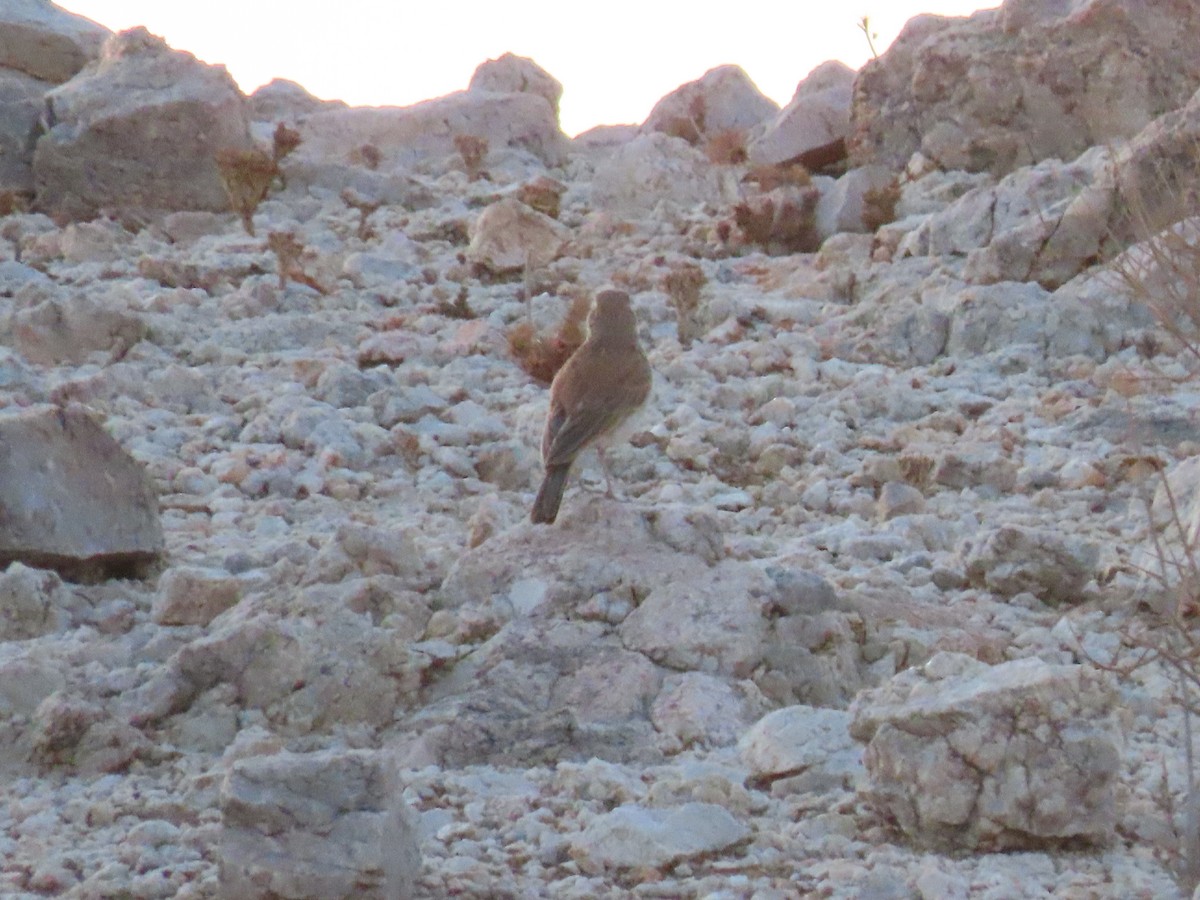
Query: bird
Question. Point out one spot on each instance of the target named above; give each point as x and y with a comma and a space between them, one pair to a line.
601, 385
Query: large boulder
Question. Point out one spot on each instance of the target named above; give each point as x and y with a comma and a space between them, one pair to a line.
967, 756
1012, 560
512, 74
1143, 189
508, 236
655, 173
20, 104
69, 330
281, 100
45, 41
1053, 221
813, 127
641, 838
404, 135
332, 824
322, 665
723, 99
1025, 82
590, 627
40, 46
73, 499
858, 202
139, 130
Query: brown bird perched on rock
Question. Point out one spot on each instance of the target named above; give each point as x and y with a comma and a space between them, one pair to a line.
603, 383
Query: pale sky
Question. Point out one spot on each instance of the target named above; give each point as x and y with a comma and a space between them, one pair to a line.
615, 58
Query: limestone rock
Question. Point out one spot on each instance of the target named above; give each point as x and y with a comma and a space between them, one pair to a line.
541, 689
527, 570
604, 138
73, 732
899, 499
654, 170
855, 201
404, 135
73, 498
963, 755
138, 130
508, 235
811, 748
328, 666
813, 127
697, 709
512, 74
1006, 230
45, 41
25, 681
715, 623
33, 602
1141, 191
1012, 560
20, 106
189, 595
723, 99
57, 331
280, 100
633, 836
332, 824
1026, 82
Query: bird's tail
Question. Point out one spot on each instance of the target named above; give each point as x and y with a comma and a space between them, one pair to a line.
549, 495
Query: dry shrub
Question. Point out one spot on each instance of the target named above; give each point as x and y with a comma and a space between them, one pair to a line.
283, 141
879, 205
247, 176
691, 125
771, 177
540, 356
1166, 631
458, 308
783, 221
1158, 199
369, 155
365, 207
543, 194
12, 202
1163, 274
1155, 216
289, 256
727, 147
474, 151
683, 284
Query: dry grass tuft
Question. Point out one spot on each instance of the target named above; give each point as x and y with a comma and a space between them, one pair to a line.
1158, 201
474, 151
365, 208
543, 194
727, 147
783, 221
248, 175
683, 284
879, 205
289, 256
541, 357
368, 155
690, 126
770, 177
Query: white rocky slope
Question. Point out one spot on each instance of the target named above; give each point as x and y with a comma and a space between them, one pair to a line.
824, 643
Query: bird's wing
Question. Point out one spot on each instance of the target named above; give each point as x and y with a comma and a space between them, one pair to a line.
579, 430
